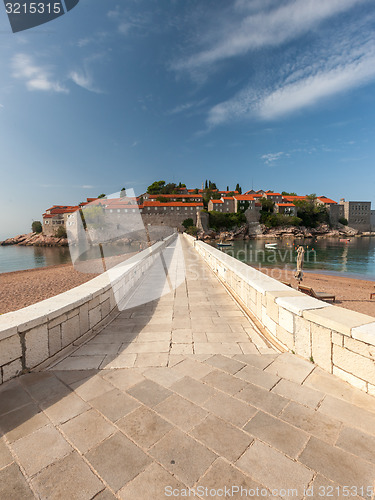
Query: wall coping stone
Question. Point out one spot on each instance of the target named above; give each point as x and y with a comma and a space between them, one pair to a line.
366, 333
338, 319
299, 304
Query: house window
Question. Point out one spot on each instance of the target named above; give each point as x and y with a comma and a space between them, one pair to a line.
178, 208
165, 208
110, 211
46, 222
126, 210
186, 208
156, 208
148, 208
133, 210
171, 208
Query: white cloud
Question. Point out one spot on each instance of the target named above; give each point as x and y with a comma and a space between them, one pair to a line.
83, 79
36, 77
271, 158
344, 68
239, 34
186, 106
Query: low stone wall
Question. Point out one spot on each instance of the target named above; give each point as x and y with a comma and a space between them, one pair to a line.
340, 341
38, 333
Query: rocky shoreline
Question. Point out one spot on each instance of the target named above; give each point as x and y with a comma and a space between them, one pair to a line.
259, 231
35, 239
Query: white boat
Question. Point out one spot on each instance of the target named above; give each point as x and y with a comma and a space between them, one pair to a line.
270, 245
224, 245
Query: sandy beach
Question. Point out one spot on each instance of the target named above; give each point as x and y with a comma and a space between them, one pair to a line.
350, 293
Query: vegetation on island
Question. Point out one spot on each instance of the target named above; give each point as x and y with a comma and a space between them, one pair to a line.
219, 220
36, 226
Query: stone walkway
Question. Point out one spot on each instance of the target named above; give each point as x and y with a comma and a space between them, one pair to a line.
182, 393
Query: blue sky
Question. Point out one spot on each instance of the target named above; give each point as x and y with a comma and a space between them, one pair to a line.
278, 94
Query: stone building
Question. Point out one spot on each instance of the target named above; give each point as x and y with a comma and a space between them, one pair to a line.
358, 214
56, 217
372, 220
285, 209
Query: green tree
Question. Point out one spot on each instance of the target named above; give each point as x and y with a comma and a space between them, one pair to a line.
188, 223
238, 188
102, 195
36, 226
61, 232
122, 193
156, 187
284, 193
196, 191
227, 188
343, 221
267, 205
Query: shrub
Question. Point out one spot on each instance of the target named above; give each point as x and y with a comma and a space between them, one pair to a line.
188, 223
61, 232
218, 220
192, 230
343, 221
36, 226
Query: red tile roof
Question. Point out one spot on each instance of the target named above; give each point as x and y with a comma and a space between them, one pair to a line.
217, 201
171, 204
152, 196
246, 197
326, 200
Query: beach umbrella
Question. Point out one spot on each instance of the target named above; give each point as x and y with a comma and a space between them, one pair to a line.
298, 273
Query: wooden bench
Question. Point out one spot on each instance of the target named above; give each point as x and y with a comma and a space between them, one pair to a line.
317, 295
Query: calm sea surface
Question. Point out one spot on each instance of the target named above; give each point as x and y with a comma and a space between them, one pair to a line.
354, 259
18, 258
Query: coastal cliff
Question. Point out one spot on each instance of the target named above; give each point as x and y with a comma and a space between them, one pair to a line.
35, 239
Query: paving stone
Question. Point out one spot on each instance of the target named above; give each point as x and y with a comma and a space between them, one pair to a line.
80, 363
145, 347
300, 393
144, 427
97, 349
163, 375
224, 363
330, 384
192, 368
105, 495
324, 488
5, 455
151, 359
181, 412
260, 398
275, 471
182, 336
336, 464
348, 413
66, 408
149, 393
230, 409
13, 485
183, 457
313, 422
123, 378
49, 389
114, 404
70, 477
87, 430
41, 448
19, 423
217, 348
153, 483
291, 367
223, 475
278, 434
358, 443
256, 360
248, 347
117, 460
258, 377
92, 388
116, 361
13, 396
194, 390
225, 439
182, 349
224, 382
70, 377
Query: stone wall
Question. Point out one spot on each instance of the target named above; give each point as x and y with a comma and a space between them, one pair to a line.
340, 341
173, 220
39, 333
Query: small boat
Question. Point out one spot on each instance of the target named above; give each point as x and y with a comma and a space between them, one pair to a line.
224, 244
344, 240
270, 245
